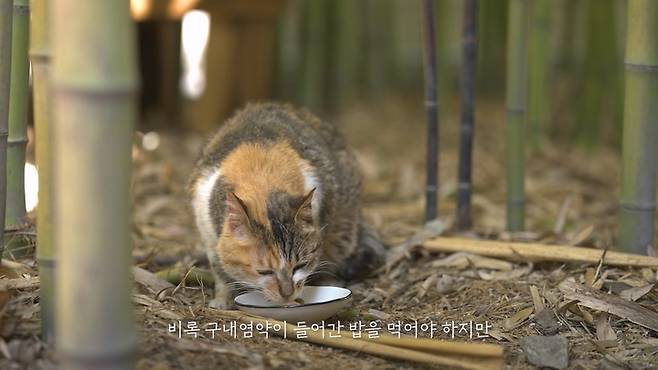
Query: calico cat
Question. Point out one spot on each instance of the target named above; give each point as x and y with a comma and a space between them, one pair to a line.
276, 198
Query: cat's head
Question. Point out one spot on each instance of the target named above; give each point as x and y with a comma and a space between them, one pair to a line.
274, 248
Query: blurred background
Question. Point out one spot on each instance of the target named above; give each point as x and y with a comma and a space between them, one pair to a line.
329, 55
358, 63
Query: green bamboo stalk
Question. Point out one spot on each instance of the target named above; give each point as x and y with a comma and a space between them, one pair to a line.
6, 15
600, 92
40, 57
463, 219
377, 67
515, 100
314, 64
346, 54
493, 22
431, 110
94, 85
538, 71
17, 140
640, 138
449, 24
288, 51
406, 47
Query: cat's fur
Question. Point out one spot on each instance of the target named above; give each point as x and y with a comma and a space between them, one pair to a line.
276, 197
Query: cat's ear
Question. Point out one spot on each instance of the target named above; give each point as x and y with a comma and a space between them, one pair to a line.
237, 216
304, 212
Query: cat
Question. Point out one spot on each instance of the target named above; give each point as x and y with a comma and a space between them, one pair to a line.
276, 199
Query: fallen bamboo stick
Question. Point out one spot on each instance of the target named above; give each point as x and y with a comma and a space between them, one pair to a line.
373, 348
19, 283
192, 276
538, 252
440, 346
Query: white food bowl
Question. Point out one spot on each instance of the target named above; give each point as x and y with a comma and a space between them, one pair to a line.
320, 302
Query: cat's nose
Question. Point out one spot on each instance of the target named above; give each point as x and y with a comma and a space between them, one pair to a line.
286, 288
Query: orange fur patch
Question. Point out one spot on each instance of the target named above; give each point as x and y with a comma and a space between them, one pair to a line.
255, 170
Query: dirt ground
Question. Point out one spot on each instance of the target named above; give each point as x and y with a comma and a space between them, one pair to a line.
571, 199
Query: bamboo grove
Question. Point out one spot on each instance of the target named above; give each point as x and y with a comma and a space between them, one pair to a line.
640, 131
84, 88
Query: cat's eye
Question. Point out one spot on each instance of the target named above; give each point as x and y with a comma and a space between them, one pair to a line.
299, 267
265, 272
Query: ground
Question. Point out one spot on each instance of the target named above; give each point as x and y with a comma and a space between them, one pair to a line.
572, 199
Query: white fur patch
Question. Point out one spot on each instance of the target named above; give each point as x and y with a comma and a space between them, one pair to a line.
201, 205
312, 181
299, 275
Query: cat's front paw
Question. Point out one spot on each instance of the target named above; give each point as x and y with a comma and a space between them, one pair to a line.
222, 303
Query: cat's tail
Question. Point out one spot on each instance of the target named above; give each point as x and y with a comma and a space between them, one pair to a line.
369, 254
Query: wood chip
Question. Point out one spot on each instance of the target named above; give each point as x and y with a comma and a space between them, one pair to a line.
635, 293
21, 283
604, 331
648, 274
505, 275
381, 315
562, 215
582, 235
590, 273
615, 305
151, 281
396, 254
463, 260
518, 318
537, 300
424, 287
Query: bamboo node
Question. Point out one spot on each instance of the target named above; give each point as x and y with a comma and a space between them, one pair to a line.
636, 67
638, 206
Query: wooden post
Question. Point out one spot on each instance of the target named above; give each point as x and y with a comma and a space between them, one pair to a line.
239, 59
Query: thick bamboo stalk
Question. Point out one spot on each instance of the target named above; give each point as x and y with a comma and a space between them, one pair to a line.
94, 86
638, 184
515, 100
6, 15
538, 71
537, 252
17, 138
467, 128
40, 58
432, 111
